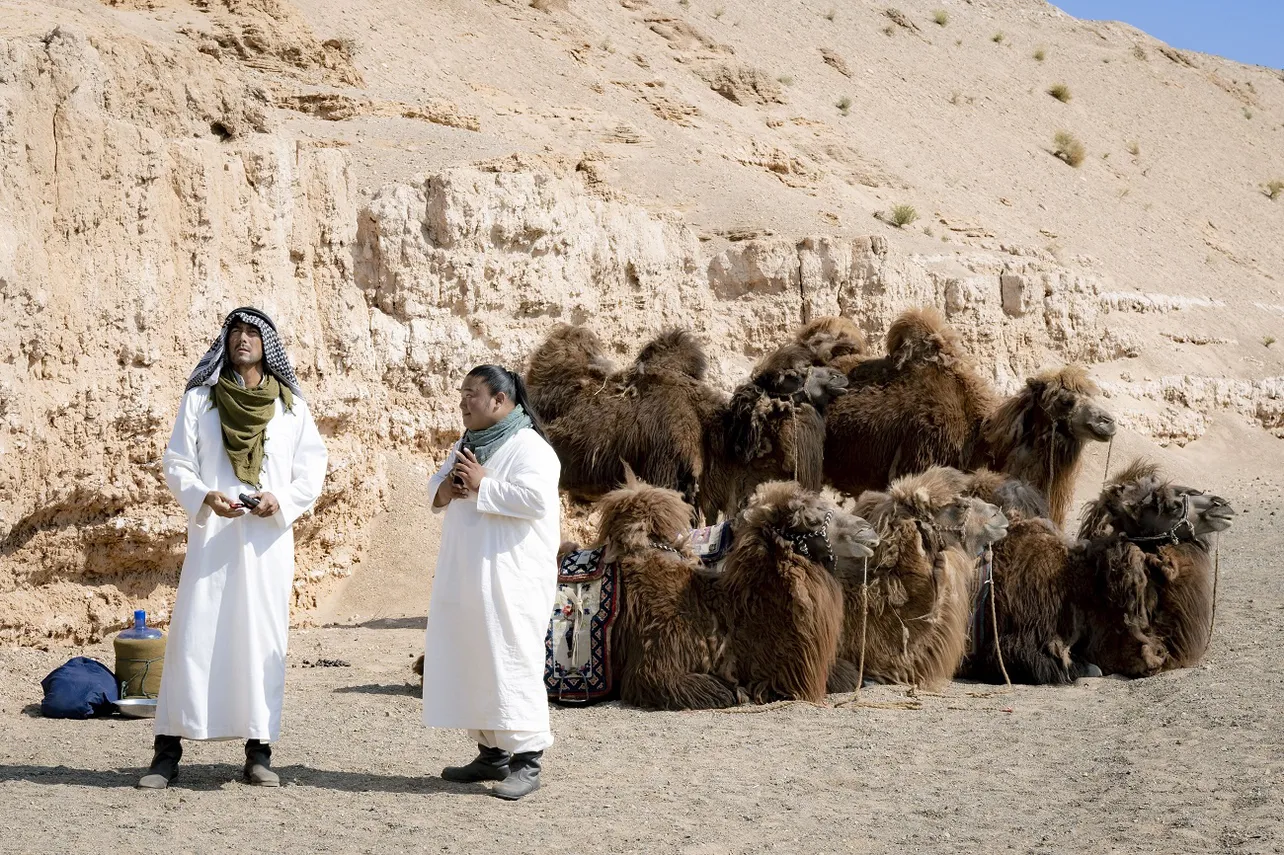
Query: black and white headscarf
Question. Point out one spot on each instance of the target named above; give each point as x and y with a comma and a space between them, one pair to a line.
274, 358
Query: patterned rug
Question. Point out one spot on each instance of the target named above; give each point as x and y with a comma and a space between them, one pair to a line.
577, 659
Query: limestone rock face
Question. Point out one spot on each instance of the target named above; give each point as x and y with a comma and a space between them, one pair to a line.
136, 208
147, 187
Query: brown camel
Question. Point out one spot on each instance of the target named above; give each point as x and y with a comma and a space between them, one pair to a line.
925, 404
660, 417
823, 342
916, 604
1139, 503
685, 638
1131, 596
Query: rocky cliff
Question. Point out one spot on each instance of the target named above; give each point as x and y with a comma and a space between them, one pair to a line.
152, 178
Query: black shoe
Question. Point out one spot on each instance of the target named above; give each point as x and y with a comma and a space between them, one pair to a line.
491, 765
523, 777
164, 768
258, 764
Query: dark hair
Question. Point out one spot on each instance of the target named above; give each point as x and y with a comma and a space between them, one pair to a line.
499, 379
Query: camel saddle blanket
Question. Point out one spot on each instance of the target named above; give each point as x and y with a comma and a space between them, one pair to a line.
712, 544
577, 658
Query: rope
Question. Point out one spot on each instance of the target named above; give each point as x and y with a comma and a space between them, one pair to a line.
864, 617
135, 675
1110, 446
1217, 568
994, 618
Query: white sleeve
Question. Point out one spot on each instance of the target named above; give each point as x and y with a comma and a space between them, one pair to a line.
307, 472
529, 491
442, 474
181, 462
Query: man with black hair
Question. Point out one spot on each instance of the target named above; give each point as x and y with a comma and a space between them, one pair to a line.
492, 595
245, 461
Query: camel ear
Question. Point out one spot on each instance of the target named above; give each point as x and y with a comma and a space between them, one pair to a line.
630, 479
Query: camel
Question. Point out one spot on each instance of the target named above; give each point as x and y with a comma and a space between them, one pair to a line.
686, 638
926, 404
1130, 596
824, 342
660, 417
1140, 503
917, 604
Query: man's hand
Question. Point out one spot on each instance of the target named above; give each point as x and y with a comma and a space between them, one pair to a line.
223, 506
267, 506
468, 470
445, 492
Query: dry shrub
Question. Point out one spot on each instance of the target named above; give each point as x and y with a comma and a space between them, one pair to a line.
1040, 55
1273, 189
902, 215
997, 38
1059, 91
1068, 148
941, 17
551, 5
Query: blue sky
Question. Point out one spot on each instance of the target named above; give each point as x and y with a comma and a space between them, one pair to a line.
1249, 31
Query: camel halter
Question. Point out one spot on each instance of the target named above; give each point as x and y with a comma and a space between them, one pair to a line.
799, 541
1173, 535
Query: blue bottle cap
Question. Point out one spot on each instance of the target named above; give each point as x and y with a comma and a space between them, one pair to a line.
140, 616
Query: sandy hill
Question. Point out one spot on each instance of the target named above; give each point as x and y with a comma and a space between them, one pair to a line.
413, 188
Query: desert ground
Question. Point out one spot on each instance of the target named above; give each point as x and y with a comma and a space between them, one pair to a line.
1189, 761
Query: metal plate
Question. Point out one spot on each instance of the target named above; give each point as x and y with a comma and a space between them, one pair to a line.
137, 707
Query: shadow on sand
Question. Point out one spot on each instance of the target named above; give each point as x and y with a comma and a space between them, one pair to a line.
380, 689
212, 776
420, 622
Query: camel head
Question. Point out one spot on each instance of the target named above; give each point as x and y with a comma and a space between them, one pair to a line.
817, 344
793, 518
638, 516
1142, 505
936, 503
1066, 400
778, 438
568, 353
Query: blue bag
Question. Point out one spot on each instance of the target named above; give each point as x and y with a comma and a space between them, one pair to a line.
82, 688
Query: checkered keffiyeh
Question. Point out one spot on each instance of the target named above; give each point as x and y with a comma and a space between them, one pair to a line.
274, 357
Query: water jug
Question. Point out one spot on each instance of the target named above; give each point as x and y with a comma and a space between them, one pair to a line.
140, 657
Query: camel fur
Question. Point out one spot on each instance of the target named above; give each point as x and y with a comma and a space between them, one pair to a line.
686, 638
1106, 599
1140, 502
661, 418
925, 403
917, 602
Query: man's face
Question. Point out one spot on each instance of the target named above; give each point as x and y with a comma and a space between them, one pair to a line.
480, 407
245, 346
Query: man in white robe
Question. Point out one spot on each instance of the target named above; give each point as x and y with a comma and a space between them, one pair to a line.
496, 577
245, 461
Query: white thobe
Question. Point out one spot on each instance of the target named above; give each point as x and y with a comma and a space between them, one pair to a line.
492, 597
224, 672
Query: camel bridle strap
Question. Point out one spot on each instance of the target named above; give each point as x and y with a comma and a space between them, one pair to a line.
799, 541
976, 622
1174, 535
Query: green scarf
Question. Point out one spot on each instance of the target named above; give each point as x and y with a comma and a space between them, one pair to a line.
486, 442
244, 414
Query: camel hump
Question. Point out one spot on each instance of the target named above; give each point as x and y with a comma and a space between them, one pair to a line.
568, 351
830, 337
921, 335
673, 350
